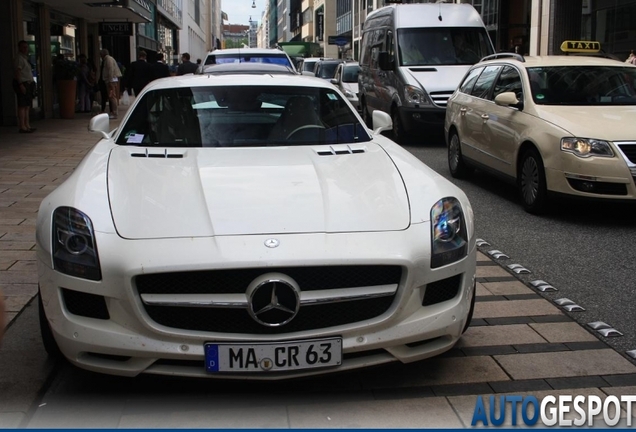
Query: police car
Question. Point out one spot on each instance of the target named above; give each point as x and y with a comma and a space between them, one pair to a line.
548, 124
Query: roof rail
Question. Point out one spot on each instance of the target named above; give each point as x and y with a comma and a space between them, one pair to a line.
504, 55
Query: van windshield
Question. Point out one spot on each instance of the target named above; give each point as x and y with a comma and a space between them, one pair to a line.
442, 46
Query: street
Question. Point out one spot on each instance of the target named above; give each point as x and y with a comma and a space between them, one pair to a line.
520, 342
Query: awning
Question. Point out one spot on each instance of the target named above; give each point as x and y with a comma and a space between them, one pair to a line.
138, 11
300, 49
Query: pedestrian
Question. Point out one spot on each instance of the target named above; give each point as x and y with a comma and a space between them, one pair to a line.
110, 76
159, 68
84, 85
138, 74
186, 67
24, 86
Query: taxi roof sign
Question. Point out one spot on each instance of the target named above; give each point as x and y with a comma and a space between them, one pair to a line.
580, 46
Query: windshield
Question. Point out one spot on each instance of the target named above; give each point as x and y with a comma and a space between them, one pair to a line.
583, 85
237, 116
327, 70
443, 46
248, 58
350, 74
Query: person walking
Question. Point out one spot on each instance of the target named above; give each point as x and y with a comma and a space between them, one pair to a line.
186, 67
24, 86
159, 68
138, 74
110, 76
84, 85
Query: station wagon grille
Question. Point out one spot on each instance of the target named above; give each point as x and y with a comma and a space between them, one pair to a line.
629, 150
235, 281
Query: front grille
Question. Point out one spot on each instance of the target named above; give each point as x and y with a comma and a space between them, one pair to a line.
239, 321
601, 188
629, 150
236, 281
440, 98
442, 290
84, 304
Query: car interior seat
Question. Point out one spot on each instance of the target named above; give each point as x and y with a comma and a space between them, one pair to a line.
299, 111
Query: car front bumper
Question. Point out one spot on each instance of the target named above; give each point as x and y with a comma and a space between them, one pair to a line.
130, 342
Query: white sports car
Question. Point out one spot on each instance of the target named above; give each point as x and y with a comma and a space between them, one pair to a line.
251, 226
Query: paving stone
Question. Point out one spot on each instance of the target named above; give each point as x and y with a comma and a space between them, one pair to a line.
621, 380
430, 412
402, 393
24, 266
622, 391
9, 316
508, 320
565, 364
512, 308
482, 257
519, 386
16, 255
530, 296
590, 345
563, 332
491, 271
490, 298
11, 420
19, 289
551, 319
489, 350
476, 322
16, 303
499, 335
481, 290
576, 382
541, 347
9, 245
507, 288
6, 265
18, 277
462, 389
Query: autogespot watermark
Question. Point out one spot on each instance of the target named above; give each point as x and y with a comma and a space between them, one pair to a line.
562, 410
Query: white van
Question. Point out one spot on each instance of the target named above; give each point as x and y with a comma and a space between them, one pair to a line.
413, 57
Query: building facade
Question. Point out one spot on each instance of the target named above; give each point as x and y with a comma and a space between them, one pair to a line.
192, 37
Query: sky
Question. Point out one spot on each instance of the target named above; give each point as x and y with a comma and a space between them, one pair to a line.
239, 11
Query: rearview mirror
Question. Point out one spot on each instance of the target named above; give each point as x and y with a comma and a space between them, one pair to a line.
508, 99
381, 121
334, 81
385, 61
100, 123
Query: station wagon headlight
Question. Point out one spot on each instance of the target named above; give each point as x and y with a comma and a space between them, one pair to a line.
415, 95
74, 250
449, 234
584, 147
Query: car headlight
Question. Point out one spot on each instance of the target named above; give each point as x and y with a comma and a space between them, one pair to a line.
449, 234
74, 250
415, 95
584, 147
349, 94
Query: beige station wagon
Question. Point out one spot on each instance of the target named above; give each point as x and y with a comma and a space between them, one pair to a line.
550, 125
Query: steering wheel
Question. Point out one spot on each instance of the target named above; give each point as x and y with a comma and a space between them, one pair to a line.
300, 128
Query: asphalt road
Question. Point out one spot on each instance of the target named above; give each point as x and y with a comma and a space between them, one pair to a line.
585, 249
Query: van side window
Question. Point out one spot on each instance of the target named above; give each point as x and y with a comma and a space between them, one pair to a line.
469, 80
485, 81
509, 81
389, 47
365, 52
377, 42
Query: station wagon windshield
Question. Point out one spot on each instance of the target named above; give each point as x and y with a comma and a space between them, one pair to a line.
241, 116
583, 85
442, 46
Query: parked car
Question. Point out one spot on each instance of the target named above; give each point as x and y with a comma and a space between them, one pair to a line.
251, 226
549, 125
412, 58
306, 65
326, 69
346, 79
247, 68
249, 55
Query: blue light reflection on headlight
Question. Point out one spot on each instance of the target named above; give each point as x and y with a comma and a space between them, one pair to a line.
449, 236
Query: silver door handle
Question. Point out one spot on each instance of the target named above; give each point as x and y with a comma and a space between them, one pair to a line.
485, 116
463, 111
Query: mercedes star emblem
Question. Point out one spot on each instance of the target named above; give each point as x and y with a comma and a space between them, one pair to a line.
274, 302
271, 243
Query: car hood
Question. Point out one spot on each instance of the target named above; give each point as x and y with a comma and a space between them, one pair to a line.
437, 78
200, 192
612, 123
352, 87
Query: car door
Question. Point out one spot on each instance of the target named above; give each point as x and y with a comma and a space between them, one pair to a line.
503, 127
477, 108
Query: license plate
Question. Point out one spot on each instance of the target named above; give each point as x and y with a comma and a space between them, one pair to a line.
265, 357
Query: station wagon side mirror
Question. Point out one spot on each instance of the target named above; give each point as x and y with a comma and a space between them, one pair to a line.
385, 61
508, 99
381, 121
100, 123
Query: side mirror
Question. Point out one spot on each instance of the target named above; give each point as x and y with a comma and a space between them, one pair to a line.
385, 61
381, 121
334, 81
100, 123
508, 99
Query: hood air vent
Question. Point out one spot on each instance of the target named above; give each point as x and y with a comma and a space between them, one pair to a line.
164, 155
339, 150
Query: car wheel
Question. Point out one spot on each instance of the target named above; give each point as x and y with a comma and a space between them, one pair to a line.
531, 182
47, 335
471, 311
456, 164
399, 134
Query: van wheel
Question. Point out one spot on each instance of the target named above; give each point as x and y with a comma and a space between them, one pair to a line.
531, 182
399, 134
456, 164
47, 335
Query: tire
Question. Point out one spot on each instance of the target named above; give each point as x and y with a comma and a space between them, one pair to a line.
531, 182
47, 335
471, 311
399, 134
456, 164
